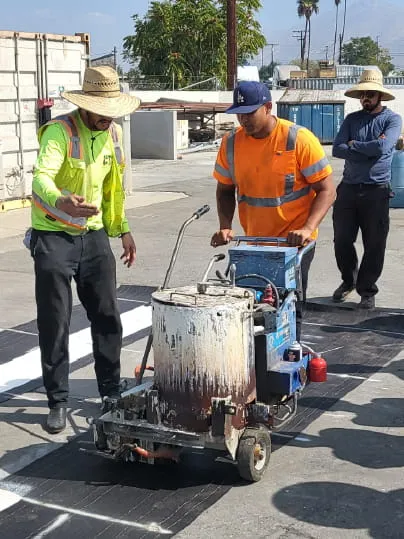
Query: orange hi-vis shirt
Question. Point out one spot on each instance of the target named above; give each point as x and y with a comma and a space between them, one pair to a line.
273, 177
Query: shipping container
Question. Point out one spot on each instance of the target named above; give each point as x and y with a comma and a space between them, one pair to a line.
34, 69
320, 111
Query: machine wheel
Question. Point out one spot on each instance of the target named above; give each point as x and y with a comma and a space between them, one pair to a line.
254, 451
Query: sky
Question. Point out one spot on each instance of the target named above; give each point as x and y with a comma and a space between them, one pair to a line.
108, 22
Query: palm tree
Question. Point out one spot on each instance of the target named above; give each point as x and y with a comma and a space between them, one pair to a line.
337, 3
306, 8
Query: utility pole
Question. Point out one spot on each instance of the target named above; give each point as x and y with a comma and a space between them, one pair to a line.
231, 44
299, 34
377, 54
272, 45
115, 55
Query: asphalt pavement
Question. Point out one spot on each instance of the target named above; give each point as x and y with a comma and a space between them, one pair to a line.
336, 472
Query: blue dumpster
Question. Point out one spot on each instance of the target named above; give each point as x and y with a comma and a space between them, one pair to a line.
321, 111
397, 179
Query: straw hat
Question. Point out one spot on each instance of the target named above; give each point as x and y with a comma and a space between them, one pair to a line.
102, 94
371, 80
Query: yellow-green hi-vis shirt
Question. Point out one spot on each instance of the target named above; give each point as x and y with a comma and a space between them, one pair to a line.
55, 173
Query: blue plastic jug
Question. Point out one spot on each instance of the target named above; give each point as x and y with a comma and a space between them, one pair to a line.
397, 179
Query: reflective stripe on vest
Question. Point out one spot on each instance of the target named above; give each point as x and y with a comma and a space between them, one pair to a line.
75, 148
115, 139
289, 195
80, 223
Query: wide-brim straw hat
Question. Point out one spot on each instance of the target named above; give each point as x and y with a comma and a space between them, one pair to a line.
101, 94
371, 80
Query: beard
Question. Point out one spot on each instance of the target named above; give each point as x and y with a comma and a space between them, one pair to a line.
367, 105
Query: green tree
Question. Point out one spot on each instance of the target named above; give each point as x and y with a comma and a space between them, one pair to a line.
365, 51
267, 71
306, 8
186, 39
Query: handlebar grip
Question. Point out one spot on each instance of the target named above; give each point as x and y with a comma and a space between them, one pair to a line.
201, 211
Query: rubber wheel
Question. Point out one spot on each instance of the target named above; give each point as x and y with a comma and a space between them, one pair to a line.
253, 453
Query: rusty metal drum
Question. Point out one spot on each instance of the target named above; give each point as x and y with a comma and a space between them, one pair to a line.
203, 347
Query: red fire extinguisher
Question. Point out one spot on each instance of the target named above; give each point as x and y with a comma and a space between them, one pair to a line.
317, 369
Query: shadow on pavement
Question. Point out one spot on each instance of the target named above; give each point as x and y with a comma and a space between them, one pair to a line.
345, 507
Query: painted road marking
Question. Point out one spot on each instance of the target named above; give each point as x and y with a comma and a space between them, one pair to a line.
12, 330
59, 521
8, 499
27, 367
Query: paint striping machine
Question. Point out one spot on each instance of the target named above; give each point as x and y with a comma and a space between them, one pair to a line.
227, 367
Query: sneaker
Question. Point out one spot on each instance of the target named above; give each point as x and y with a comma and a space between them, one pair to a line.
342, 292
367, 302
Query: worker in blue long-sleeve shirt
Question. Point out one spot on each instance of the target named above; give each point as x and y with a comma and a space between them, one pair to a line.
366, 141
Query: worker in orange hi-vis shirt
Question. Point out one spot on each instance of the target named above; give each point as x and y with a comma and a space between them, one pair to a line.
278, 173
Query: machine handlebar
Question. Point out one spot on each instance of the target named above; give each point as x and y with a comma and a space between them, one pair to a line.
201, 211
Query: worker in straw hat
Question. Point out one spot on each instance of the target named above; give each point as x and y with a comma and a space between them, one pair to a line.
366, 141
78, 202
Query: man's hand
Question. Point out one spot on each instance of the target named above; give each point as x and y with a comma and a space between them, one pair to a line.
223, 237
298, 238
129, 249
76, 206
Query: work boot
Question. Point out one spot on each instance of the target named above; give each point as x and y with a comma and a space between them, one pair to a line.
342, 292
56, 421
367, 303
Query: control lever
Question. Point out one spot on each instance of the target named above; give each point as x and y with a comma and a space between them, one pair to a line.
203, 285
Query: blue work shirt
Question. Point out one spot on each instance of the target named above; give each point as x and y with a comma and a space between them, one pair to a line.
368, 160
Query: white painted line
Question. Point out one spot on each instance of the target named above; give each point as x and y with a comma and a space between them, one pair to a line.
290, 436
152, 527
59, 521
354, 376
353, 328
132, 300
12, 330
331, 350
8, 499
27, 367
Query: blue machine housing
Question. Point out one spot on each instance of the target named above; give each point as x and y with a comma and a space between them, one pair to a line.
276, 263
275, 376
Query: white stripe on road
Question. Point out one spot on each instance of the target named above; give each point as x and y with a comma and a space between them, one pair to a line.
8, 499
12, 330
27, 367
354, 376
59, 521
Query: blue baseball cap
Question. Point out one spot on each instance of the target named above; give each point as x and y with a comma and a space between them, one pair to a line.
249, 96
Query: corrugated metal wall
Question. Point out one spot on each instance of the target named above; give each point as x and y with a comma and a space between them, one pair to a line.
339, 83
32, 66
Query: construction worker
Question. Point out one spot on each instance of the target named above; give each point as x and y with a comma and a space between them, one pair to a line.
278, 173
366, 141
78, 201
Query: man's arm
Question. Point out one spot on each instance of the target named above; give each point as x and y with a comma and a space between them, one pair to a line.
325, 196
382, 145
341, 149
226, 206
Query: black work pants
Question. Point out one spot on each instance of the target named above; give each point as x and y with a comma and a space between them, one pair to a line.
366, 208
89, 260
304, 276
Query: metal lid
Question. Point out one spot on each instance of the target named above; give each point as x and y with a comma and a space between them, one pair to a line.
188, 296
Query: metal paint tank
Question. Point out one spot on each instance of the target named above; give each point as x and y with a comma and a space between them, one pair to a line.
397, 179
203, 346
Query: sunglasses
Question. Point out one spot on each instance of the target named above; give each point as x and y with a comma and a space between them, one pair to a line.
370, 94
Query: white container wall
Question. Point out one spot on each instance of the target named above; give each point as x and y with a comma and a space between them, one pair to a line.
32, 67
